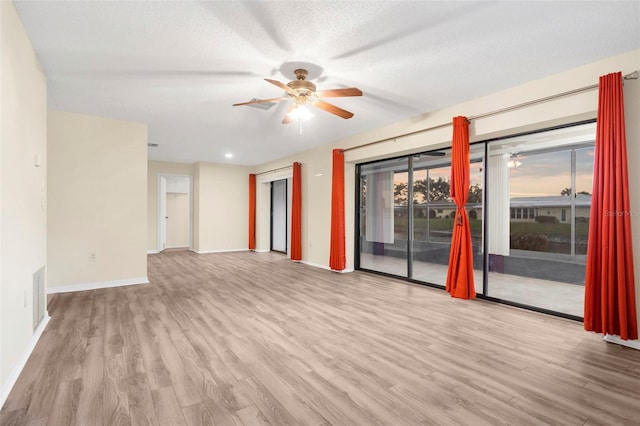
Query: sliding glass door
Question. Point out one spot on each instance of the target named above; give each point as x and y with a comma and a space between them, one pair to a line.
539, 204
406, 215
384, 216
530, 252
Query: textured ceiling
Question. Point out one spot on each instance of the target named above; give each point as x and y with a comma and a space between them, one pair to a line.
179, 66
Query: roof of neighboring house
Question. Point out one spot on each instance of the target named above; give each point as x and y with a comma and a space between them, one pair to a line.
581, 200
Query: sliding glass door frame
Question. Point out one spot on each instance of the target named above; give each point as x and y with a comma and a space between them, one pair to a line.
483, 290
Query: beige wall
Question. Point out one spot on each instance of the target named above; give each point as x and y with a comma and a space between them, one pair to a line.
316, 207
156, 168
632, 117
221, 207
23, 220
97, 189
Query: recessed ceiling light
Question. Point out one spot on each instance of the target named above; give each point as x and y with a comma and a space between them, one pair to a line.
228, 155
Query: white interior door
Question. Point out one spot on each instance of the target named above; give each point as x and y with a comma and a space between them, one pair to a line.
177, 220
279, 215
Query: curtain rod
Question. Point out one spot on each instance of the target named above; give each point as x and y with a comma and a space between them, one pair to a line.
274, 170
631, 76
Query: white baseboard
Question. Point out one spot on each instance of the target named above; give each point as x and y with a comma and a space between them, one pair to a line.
316, 265
635, 344
15, 373
98, 285
152, 252
218, 251
261, 251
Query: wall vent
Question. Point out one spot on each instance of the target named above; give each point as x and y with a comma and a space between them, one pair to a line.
39, 297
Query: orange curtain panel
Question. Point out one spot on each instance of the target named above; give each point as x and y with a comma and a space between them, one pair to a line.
252, 212
460, 271
609, 294
337, 257
296, 214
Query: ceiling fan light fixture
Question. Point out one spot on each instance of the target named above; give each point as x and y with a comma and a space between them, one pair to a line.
300, 113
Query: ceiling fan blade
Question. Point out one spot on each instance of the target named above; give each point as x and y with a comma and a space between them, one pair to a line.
260, 101
336, 93
287, 119
282, 86
333, 109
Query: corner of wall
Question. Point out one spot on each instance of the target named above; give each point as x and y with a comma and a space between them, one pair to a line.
23, 184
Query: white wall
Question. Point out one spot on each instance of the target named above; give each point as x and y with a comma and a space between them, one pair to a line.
316, 190
221, 207
97, 189
23, 133
154, 169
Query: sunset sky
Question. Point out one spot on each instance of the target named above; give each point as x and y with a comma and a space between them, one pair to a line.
539, 175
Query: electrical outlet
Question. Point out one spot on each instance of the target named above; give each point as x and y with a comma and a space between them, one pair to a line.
92, 257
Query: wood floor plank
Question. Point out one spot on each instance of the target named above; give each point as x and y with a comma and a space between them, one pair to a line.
115, 399
64, 408
168, 410
254, 339
251, 415
90, 404
185, 388
268, 404
140, 401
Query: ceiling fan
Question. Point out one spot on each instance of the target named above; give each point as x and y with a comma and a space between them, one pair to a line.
303, 91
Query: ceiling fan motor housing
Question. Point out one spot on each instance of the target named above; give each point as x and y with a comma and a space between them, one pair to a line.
302, 86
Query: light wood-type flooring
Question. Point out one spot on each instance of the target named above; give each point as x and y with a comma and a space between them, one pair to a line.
253, 338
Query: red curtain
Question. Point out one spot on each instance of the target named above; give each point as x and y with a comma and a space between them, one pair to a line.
460, 272
296, 214
252, 212
609, 294
337, 257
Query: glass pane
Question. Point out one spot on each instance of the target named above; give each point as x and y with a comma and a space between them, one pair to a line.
538, 221
433, 225
384, 216
433, 213
584, 184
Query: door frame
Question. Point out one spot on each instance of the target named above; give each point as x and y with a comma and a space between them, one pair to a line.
161, 222
263, 206
286, 216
